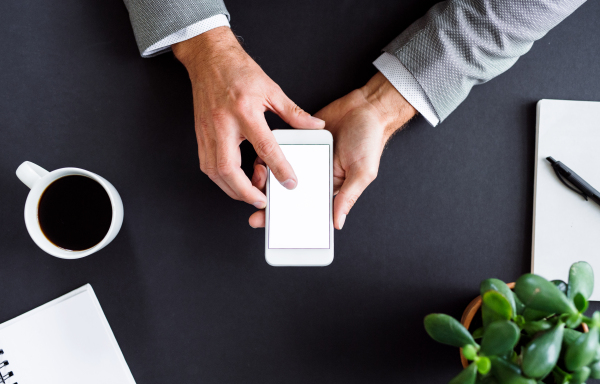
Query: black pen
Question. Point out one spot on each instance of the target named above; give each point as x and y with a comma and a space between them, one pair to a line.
581, 186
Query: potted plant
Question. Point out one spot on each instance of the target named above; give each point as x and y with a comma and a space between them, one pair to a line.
530, 335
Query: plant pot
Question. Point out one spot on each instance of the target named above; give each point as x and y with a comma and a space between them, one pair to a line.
470, 312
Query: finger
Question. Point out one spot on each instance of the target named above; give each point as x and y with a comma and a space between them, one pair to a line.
226, 188
266, 147
207, 155
339, 175
257, 219
354, 185
291, 113
228, 168
259, 178
337, 184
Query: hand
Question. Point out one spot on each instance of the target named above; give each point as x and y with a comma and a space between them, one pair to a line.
231, 94
361, 123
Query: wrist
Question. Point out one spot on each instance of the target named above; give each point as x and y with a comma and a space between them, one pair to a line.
206, 47
393, 109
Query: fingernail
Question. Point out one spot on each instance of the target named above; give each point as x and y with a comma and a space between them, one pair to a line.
318, 121
342, 220
289, 184
260, 204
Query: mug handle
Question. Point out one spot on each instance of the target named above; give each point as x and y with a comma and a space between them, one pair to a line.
29, 173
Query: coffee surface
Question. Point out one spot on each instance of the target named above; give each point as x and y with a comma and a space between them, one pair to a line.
75, 212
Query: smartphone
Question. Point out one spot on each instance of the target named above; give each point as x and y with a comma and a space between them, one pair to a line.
299, 222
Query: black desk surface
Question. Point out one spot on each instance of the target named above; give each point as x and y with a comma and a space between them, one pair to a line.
185, 286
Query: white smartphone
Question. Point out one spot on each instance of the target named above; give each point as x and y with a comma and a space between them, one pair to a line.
299, 222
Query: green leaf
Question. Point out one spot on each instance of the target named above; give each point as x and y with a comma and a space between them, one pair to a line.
571, 321
561, 377
469, 352
495, 307
487, 379
508, 373
582, 351
581, 280
519, 321
500, 338
484, 365
533, 315
595, 370
561, 285
447, 330
534, 327
540, 294
570, 335
478, 333
541, 354
580, 376
500, 287
519, 305
580, 302
467, 376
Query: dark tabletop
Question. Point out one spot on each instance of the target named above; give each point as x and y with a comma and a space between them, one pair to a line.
185, 286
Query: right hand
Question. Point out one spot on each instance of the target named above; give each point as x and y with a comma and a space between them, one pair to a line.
361, 123
231, 93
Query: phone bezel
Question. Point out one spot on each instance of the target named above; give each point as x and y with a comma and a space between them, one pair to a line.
305, 257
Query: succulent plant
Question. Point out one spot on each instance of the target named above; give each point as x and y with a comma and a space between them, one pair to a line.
530, 335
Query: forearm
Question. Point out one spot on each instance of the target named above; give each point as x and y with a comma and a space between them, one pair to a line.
206, 48
462, 43
156, 21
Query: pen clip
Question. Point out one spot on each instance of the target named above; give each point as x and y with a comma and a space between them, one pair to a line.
568, 185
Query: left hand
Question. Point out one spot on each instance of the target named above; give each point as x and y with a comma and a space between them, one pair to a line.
361, 123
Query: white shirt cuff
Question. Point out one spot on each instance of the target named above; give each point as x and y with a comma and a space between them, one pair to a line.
407, 85
187, 33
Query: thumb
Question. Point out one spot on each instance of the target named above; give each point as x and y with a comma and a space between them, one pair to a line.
293, 114
354, 185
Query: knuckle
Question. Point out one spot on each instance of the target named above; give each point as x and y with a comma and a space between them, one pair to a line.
243, 104
225, 168
370, 174
276, 89
265, 148
211, 172
351, 200
297, 110
244, 195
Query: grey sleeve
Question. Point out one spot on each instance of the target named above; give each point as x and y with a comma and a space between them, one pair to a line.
462, 43
153, 20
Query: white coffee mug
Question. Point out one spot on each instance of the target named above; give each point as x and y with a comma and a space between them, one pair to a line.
38, 179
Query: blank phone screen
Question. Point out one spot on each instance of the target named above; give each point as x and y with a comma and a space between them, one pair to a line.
299, 218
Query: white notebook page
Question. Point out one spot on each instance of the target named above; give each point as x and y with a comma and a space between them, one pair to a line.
67, 341
566, 228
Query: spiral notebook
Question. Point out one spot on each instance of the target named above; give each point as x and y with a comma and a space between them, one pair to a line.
566, 228
66, 341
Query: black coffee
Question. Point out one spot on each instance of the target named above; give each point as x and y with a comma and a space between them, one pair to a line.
75, 213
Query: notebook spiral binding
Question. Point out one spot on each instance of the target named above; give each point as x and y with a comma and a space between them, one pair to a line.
7, 375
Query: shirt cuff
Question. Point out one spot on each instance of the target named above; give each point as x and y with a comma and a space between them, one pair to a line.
407, 85
187, 33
